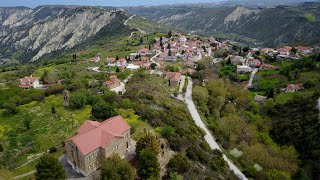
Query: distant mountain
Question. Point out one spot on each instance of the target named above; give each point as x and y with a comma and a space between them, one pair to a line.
28, 34
263, 3
270, 26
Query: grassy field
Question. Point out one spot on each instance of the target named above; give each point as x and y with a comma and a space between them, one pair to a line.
46, 129
311, 17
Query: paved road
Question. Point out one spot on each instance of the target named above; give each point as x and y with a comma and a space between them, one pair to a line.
208, 137
126, 22
180, 93
24, 175
255, 70
154, 57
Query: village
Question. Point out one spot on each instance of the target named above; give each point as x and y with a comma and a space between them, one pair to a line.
178, 55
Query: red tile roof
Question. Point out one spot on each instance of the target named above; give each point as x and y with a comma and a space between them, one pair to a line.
29, 79
174, 76
93, 135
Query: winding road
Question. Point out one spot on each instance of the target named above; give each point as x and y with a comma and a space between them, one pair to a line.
153, 59
208, 137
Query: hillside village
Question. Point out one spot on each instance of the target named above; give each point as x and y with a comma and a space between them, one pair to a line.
173, 61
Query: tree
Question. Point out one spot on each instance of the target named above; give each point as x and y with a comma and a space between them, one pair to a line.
318, 58
170, 52
161, 39
53, 109
169, 46
148, 165
102, 111
27, 122
78, 99
141, 40
49, 168
153, 66
1, 148
117, 169
179, 163
170, 34
117, 58
246, 49
294, 50
149, 47
148, 140
117, 70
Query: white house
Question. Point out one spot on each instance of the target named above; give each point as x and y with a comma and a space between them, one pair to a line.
28, 82
132, 67
243, 69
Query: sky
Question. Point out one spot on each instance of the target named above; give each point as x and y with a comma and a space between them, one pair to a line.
34, 3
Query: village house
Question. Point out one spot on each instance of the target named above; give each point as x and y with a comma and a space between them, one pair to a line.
285, 51
28, 82
303, 49
95, 142
293, 87
173, 77
254, 63
243, 69
95, 59
113, 82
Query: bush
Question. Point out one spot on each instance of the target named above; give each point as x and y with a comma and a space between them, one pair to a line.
78, 99
116, 168
179, 163
148, 165
49, 168
149, 141
102, 111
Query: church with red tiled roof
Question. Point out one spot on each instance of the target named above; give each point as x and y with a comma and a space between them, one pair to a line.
96, 141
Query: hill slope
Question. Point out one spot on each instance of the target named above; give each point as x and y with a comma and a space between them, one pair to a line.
270, 26
28, 34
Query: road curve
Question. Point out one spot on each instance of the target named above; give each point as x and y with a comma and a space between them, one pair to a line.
208, 137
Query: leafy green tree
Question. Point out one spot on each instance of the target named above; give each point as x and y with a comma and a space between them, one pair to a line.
49, 168
1, 148
102, 111
27, 122
246, 49
148, 165
141, 40
117, 70
148, 140
179, 163
53, 109
116, 168
153, 66
169, 34
78, 99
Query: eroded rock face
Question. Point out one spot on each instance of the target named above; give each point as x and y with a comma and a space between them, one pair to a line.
46, 29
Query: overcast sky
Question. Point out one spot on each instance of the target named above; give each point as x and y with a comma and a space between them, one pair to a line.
34, 3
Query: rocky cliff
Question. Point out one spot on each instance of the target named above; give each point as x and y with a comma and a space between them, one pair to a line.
29, 34
271, 26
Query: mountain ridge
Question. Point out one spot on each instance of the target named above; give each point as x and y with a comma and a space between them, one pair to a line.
270, 26
36, 32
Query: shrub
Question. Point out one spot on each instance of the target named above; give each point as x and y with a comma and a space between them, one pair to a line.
179, 163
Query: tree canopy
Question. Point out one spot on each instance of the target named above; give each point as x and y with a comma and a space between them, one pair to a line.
49, 168
116, 168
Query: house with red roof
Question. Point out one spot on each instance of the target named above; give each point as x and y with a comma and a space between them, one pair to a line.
112, 83
294, 87
95, 142
173, 77
29, 82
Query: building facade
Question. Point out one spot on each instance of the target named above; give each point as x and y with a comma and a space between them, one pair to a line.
96, 141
